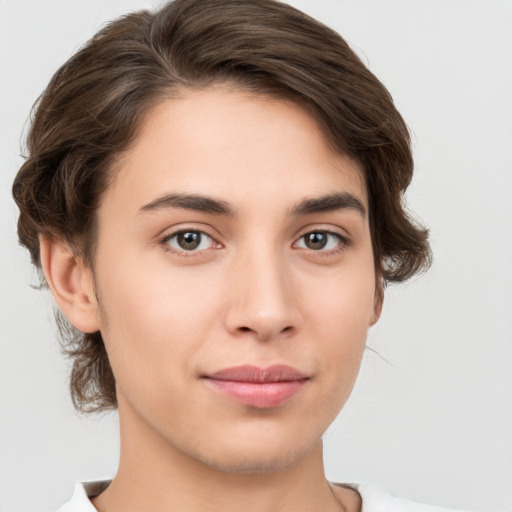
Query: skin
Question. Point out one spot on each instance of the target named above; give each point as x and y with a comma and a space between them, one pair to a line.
253, 292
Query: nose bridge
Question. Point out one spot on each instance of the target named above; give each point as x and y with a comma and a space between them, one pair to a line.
262, 300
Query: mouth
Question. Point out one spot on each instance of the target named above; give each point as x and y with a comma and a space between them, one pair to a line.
261, 388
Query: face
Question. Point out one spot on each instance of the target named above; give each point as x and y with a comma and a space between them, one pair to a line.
235, 279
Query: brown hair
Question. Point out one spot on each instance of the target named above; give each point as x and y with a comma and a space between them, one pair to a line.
92, 107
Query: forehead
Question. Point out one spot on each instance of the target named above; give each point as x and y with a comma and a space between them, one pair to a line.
233, 144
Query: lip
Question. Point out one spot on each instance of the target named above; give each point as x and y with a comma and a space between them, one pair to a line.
262, 388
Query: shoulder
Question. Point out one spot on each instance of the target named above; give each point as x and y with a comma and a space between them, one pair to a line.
375, 499
80, 501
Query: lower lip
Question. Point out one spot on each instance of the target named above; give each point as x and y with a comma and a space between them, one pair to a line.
261, 395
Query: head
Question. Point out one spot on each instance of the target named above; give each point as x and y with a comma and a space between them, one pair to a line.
130, 119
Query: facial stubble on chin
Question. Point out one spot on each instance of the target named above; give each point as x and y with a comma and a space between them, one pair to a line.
249, 466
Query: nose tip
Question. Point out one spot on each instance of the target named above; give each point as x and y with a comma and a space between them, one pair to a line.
264, 330
262, 301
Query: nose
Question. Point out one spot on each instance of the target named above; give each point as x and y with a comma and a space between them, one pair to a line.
262, 299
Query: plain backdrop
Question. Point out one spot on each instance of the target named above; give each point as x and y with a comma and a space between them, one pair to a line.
431, 415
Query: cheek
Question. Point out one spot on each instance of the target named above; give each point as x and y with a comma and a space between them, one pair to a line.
154, 318
343, 302
341, 312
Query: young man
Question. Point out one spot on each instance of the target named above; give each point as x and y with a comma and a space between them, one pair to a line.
213, 193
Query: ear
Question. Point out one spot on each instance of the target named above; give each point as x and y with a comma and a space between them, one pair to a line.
71, 283
378, 302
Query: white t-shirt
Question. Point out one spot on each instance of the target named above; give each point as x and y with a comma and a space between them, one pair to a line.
373, 498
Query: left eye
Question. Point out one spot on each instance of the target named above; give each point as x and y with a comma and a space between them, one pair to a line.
320, 240
189, 241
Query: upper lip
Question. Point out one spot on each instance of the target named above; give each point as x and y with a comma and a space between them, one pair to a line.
249, 373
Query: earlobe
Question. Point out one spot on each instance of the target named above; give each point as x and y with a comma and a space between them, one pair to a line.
377, 303
70, 282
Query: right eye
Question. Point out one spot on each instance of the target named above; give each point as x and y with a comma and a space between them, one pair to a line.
188, 240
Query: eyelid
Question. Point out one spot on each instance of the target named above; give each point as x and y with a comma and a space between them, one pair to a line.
169, 235
344, 241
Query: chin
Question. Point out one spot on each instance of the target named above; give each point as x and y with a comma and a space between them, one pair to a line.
257, 454
245, 464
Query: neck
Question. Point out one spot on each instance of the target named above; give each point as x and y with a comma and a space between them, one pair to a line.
154, 475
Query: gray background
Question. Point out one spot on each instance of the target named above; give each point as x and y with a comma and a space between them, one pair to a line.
434, 423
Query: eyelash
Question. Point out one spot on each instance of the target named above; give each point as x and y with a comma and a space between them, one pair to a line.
343, 242
182, 252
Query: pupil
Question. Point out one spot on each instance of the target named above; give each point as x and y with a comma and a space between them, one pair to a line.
189, 240
316, 240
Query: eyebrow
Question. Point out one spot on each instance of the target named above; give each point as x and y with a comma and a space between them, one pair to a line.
329, 203
308, 206
190, 202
